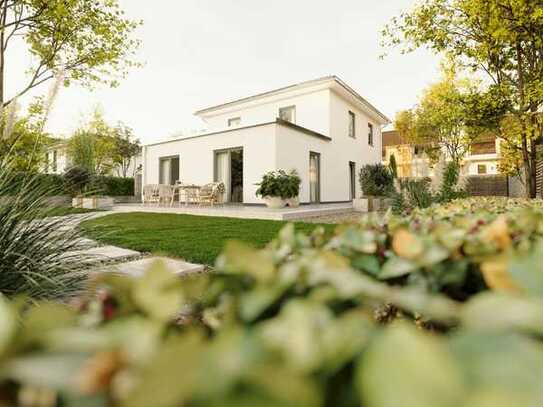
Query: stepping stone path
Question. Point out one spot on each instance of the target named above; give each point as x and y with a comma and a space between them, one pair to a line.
138, 267
113, 259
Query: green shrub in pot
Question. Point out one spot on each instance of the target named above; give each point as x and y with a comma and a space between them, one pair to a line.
279, 188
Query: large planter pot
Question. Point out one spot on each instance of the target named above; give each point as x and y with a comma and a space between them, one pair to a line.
371, 204
274, 202
93, 202
293, 202
361, 205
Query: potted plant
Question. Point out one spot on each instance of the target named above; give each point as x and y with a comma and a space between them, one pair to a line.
376, 183
279, 189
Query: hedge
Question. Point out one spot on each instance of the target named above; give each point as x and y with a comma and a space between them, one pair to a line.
55, 184
113, 186
443, 307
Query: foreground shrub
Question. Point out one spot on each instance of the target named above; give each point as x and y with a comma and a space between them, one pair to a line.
376, 180
38, 254
355, 320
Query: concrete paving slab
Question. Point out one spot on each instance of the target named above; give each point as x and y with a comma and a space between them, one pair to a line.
138, 267
105, 254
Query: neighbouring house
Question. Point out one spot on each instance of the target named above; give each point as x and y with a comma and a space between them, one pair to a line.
56, 158
321, 128
57, 161
411, 160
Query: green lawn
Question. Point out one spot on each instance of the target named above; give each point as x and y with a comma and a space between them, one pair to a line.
197, 239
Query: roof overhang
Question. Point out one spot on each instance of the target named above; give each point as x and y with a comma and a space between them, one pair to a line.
278, 122
329, 82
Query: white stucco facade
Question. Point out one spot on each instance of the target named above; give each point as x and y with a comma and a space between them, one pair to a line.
323, 111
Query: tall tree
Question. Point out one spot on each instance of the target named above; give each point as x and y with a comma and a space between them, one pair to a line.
127, 147
89, 41
439, 122
500, 38
93, 146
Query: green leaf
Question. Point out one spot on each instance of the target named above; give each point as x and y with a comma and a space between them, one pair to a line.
407, 368
369, 264
502, 312
396, 267
526, 271
159, 293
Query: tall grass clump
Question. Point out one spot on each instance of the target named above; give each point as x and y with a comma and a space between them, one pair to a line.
40, 255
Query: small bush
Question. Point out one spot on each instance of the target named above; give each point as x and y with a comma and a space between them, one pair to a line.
376, 180
279, 184
449, 189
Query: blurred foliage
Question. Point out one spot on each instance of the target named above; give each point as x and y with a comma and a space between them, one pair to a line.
441, 308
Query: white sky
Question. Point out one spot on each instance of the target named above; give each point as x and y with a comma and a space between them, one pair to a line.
199, 53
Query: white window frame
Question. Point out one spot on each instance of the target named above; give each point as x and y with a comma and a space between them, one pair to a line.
352, 124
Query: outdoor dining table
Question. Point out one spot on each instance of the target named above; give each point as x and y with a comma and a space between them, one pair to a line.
191, 192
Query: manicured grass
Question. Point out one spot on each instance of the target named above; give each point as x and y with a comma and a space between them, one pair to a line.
197, 239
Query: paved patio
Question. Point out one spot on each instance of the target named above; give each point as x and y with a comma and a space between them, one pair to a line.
244, 212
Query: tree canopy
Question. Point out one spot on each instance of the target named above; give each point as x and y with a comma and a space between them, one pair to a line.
440, 122
87, 41
499, 38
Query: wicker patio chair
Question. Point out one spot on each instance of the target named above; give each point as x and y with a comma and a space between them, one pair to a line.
150, 194
165, 194
211, 193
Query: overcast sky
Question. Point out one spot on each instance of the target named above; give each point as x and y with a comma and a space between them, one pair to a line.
199, 53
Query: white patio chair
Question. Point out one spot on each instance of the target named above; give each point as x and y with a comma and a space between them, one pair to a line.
211, 193
165, 194
150, 194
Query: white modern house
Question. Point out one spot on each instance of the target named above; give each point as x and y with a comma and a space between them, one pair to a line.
321, 128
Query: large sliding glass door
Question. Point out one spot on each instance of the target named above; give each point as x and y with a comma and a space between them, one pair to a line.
229, 171
314, 177
168, 170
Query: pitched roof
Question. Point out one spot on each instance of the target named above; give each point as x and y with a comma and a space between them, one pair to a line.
300, 85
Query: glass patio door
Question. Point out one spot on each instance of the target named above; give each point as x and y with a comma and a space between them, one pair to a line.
222, 171
314, 177
229, 171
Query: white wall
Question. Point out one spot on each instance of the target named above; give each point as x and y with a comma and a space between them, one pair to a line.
346, 148
293, 150
197, 157
312, 112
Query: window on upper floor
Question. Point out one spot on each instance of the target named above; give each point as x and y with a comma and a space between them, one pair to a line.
370, 134
234, 122
481, 169
352, 125
288, 114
